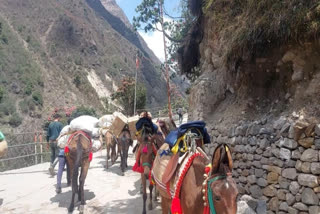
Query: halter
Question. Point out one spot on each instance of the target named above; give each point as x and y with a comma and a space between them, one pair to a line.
207, 191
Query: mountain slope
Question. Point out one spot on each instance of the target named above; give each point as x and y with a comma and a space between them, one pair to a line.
74, 52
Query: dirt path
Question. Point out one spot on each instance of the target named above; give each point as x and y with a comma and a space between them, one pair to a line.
32, 190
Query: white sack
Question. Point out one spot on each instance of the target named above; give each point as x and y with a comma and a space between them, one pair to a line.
95, 132
84, 123
65, 130
96, 145
62, 141
106, 120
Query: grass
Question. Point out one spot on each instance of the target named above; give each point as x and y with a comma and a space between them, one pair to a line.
250, 27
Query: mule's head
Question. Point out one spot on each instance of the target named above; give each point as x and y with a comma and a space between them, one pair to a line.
222, 189
146, 157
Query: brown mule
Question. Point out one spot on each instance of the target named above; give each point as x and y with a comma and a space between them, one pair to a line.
196, 187
111, 144
79, 152
124, 142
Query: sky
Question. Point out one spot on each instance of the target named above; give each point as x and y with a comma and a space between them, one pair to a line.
154, 39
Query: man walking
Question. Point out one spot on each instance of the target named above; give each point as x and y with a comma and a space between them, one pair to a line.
53, 133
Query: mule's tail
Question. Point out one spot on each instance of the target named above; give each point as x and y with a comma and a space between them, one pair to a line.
77, 164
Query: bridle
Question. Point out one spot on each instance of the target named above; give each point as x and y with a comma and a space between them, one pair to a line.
207, 191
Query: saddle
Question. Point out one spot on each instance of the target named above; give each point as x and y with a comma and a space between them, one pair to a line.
171, 168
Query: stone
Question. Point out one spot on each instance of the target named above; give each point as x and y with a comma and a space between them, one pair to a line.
291, 132
300, 206
272, 169
267, 153
253, 203
243, 179
290, 163
240, 131
290, 199
276, 152
245, 173
299, 128
285, 128
306, 142
309, 197
264, 161
309, 132
250, 157
310, 155
315, 168
283, 206
243, 207
298, 197
297, 75
255, 191
272, 178
316, 189
281, 193
288, 143
252, 179
314, 210
262, 182
269, 191
308, 180
253, 130
283, 182
290, 173
317, 144
279, 123
317, 129
299, 165
294, 187
252, 141
258, 173
257, 157
285, 154
274, 204
292, 211
306, 167
295, 155
264, 143
261, 207
276, 161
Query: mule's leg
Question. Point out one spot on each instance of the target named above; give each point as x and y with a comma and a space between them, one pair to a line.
150, 199
126, 156
122, 165
144, 196
156, 194
84, 172
108, 155
71, 168
165, 205
71, 206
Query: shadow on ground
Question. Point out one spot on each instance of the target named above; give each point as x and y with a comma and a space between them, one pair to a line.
64, 198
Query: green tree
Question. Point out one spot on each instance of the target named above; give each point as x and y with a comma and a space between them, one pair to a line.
125, 95
151, 17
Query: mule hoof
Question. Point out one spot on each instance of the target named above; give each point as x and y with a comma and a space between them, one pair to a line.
150, 206
81, 208
70, 209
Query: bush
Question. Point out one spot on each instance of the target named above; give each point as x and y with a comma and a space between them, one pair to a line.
15, 120
37, 98
27, 105
82, 110
7, 106
77, 81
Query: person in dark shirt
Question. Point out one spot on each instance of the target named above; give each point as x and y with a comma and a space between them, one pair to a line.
53, 133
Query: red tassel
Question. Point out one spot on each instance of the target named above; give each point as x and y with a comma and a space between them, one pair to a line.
176, 206
137, 168
151, 179
206, 210
90, 156
66, 151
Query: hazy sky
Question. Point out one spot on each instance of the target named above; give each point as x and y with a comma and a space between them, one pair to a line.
154, 40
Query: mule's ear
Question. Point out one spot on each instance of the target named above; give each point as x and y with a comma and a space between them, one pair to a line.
230, 162
216, 160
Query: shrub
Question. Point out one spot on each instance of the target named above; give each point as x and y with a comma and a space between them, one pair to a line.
37, 98
82, 110
7, 106
27, 105
77, 81
15, 120
1, 93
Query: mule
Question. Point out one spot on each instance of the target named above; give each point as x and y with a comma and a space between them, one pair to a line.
124, 142
111, 144
197, 188
78, 156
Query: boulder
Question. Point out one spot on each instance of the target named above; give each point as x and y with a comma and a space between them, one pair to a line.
290, 199
315, 168
288, 143
284, 206
255, 191
243, 208
314, 210
272, 178
294, 187
299, 129
270, 191
285, 154
274, 204
300, 206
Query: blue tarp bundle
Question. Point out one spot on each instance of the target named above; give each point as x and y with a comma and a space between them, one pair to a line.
173, 136
148, 122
